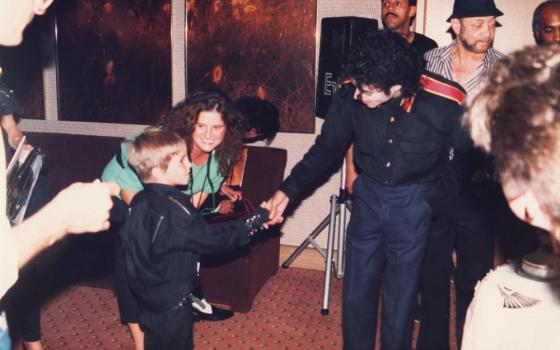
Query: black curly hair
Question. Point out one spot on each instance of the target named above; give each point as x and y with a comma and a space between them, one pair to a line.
384, 59
260, 115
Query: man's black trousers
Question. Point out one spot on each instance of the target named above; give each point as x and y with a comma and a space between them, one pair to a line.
385, 243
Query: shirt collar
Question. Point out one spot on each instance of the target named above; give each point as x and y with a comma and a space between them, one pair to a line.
162, 189
445, 54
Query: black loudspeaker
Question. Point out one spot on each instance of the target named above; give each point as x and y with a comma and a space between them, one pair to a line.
338, 34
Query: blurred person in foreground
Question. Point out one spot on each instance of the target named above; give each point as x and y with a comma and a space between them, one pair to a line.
516, 119
78, 208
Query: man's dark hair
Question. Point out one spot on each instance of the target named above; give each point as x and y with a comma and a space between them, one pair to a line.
410, 2
260, 115
537, 18
384, 59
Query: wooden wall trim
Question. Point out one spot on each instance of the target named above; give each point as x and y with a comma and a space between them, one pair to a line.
308, 259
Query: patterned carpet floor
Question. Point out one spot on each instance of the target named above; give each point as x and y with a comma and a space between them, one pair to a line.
286, 315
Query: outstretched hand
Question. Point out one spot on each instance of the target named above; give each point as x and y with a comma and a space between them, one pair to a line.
276, 206
84, 207
81, 207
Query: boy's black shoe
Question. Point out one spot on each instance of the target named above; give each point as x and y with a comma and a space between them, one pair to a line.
218, 314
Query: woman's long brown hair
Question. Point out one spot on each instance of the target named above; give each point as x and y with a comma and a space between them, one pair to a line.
183, 118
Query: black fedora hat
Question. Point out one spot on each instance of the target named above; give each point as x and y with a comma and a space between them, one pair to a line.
474, 8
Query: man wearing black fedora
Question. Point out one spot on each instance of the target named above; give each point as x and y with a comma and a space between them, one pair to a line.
459, 221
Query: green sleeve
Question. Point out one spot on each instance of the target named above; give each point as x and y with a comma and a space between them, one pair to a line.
123, 175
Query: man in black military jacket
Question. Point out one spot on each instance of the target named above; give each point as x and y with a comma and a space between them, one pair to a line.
402, 124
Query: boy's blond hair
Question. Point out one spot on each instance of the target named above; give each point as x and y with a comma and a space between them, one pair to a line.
152, 149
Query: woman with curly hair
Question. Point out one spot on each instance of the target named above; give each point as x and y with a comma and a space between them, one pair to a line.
213, 131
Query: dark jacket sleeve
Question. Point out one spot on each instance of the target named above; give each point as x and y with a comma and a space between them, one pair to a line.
463, 147
183, 231
329, 147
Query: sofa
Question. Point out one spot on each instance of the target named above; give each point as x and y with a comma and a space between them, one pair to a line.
235, 279
232, 279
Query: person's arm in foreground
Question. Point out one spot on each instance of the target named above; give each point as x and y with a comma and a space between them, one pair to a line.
79, 208
12, 130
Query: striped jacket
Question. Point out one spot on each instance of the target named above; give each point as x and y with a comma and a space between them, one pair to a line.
438, 61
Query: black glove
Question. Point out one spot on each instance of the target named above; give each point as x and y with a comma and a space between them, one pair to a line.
256, 221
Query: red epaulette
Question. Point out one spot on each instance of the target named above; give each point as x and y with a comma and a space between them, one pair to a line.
406, 103
443, 88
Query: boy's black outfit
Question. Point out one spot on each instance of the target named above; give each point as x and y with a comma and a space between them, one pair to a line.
162, 238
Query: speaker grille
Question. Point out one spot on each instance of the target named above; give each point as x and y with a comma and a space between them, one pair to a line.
341, 8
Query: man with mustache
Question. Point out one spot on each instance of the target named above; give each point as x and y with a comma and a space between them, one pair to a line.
398, 16
458, 219
546, 23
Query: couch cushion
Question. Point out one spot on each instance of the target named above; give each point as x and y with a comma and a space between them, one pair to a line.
71, 158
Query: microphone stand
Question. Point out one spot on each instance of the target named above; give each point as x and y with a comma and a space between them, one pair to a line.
339, 205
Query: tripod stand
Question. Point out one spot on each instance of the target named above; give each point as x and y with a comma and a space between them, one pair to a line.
339, 205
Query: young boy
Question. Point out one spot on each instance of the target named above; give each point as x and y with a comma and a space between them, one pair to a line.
163, 237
